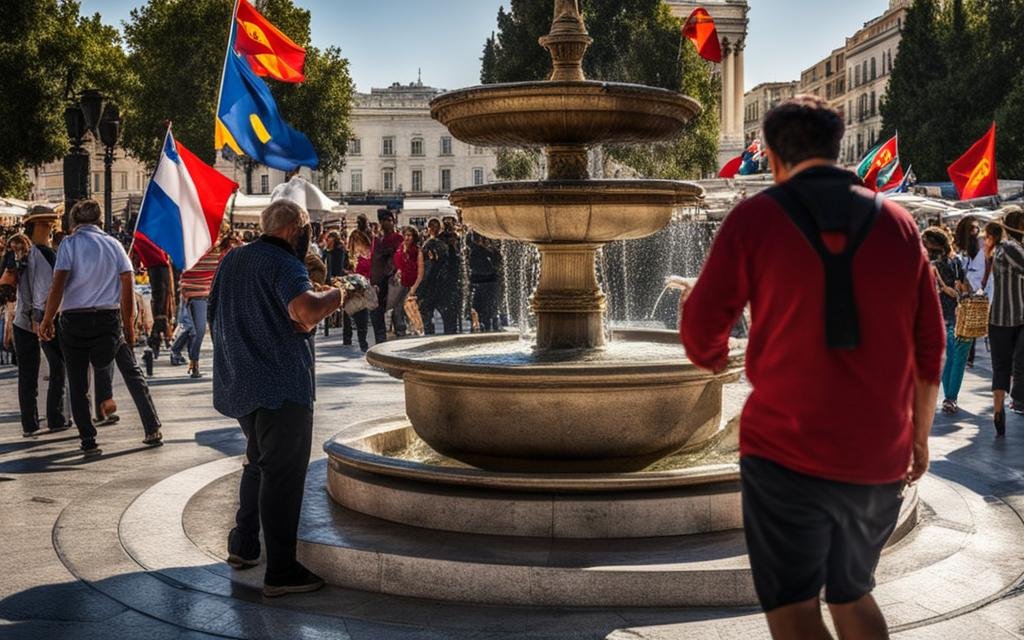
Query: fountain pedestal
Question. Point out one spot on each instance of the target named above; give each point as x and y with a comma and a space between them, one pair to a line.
568, 301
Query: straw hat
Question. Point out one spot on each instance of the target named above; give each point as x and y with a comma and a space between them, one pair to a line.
40, 213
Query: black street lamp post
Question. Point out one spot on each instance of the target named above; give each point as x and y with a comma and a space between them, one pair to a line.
89, 116
109, 131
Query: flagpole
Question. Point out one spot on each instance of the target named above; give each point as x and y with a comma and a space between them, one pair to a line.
142, 206
224, 67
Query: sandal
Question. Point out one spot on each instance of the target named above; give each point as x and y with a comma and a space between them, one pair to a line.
948, 407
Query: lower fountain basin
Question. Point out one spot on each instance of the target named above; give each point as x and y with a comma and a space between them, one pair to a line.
491, 402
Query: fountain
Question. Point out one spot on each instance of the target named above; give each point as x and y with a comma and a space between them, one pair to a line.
514, 460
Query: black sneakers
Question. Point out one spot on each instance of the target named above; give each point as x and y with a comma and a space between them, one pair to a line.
243, 551
90, 450
300, 580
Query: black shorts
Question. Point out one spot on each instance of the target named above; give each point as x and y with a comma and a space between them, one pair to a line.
804, 533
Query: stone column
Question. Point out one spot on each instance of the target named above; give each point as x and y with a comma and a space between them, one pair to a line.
568, 300
728, 96
738, 75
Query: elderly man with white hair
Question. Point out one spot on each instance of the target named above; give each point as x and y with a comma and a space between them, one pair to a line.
262, 309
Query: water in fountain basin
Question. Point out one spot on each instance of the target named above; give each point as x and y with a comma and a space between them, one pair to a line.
520, 353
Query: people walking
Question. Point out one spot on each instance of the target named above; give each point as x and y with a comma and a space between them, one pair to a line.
263, 377
484, 281
844, 376
382, 268
337, 261
951, 279
409, 266
195, 290
968, 246
452, 304
432, 292
33, 289
93, 292
1006, 319
359, 244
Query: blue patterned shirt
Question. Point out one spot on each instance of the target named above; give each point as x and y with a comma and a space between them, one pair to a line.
259, 359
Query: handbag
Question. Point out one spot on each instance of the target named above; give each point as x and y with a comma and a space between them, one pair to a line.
972, 317
359, 295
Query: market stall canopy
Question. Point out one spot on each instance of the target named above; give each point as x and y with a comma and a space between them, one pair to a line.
12, 207
307, 195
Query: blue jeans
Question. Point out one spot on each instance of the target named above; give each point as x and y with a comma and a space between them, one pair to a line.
196, 331
197, 309
956, 360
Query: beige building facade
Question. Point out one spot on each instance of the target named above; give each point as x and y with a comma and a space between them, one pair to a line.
732, 22
398, 149
759, 101
827, 79
870, 56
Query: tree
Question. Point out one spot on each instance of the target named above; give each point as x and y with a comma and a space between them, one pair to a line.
1010, 128
183, 87
516, 164
635, 41
955, 72
48, 52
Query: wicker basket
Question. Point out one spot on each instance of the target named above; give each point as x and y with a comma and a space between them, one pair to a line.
972, 318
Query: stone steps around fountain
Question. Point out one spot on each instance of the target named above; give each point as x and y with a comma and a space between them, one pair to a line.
953, 560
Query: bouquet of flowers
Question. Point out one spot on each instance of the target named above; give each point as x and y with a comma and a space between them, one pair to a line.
359, 293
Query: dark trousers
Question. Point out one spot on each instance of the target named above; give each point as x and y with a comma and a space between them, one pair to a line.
135, 380
1007, 345
378, 315
485, 301
160, 290
87, 338
273, 480
362, 321
27, 346
449, 310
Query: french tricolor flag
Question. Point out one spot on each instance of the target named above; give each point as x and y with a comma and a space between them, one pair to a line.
183, 206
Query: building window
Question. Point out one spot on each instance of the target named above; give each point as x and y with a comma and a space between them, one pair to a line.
138, 181
872, 103
357, 181
355, 147
417, 181
446, 146
389, 180
478, 176
446, 179
874, 71
264, 183
96, 188
417, 147
856, 75
387, 146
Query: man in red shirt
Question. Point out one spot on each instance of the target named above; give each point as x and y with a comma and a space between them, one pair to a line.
844, 357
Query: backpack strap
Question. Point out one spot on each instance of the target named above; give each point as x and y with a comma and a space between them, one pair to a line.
842, 326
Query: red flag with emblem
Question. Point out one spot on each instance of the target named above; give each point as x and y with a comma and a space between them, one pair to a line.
268, 51
700, 28
974, 174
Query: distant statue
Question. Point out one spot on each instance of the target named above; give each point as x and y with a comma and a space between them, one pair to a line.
567, 11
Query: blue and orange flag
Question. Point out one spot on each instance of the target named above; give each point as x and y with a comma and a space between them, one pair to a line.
269, 52
700, 28
974, 173
248, 121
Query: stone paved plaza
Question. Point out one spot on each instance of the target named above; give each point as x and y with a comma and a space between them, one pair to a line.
131, 544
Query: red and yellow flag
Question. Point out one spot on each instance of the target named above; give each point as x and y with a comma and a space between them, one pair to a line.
878, 160
974, 173
269, 52
700, 28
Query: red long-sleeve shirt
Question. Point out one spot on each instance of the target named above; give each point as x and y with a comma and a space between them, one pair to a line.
834, 414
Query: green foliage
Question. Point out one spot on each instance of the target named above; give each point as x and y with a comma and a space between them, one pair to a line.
48, 51
516, 164
1010, 131
635, 41
182, 87
955, 72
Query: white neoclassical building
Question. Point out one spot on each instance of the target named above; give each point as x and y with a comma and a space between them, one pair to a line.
397, 149
732, 22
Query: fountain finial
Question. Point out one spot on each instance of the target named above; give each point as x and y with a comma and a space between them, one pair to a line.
567, 42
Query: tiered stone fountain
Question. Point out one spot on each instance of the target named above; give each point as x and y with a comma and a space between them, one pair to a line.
517, 466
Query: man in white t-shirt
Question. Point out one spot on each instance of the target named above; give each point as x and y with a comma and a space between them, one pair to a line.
94, 294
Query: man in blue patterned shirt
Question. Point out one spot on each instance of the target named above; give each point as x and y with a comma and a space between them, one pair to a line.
262, 309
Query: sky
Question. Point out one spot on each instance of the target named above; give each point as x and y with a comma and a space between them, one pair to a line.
391, 40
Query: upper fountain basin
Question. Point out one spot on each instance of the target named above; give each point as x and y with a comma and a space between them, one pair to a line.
574, 210
563, 113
